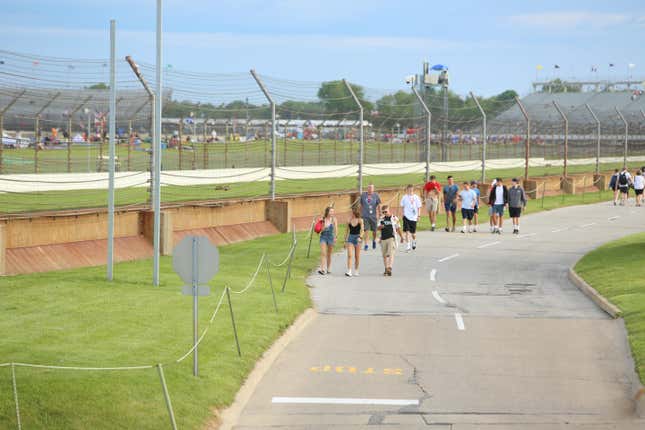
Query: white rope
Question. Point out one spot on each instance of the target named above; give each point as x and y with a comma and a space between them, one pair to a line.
203, 335
293, 245
44, 366
255, 275
15, 395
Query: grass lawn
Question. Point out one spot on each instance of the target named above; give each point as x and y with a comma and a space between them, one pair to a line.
53, 200
617, 271
76, 318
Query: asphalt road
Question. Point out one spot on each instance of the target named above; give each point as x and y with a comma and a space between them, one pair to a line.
472, 331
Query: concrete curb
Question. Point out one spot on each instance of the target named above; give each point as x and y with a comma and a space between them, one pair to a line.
590, 292
229, 417
614, 312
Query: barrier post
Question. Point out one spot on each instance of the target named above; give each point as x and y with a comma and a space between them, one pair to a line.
543, 192
527, 143
626, 135
566, 138
287, 274
428, 133
273, 134
2, 113
166, 397
597, 137
230, 307
360, 131
268, 268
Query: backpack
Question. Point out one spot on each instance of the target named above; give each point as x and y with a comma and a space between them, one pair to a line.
622, 179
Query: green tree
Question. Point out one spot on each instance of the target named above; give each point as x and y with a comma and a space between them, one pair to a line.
99, 86
559, 86
336, 98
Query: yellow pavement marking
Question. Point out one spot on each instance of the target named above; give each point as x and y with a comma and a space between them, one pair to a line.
353, 370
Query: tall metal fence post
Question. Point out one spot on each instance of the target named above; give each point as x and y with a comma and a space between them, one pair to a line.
166, 397
37, 129
2, 113
626, 135
111, 151
597, 137
484, 137
156, 189
566, 137
428, 125
527, 144
361, 137
273, 134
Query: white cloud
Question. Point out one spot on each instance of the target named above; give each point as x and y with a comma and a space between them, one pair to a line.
569, 20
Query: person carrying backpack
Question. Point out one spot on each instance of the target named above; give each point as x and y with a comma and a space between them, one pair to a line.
613, 185
624, 181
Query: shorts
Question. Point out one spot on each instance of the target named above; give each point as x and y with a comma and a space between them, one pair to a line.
624, 189
476, 209
327, 238
387, 247
498, 210
490, 211
369, 223
638, 192
353, 239
450, 207
514, 212
410, 226
432, 204
468, 214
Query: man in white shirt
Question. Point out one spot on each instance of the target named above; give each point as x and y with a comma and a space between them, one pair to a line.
498, 199
639, 186
410, 204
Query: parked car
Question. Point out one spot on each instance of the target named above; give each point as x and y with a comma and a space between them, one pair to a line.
15, 142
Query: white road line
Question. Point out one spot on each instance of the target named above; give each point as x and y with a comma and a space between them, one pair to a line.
433, 275
344, 401
526, 235
460, 322
450, 257
588, 225
486, 245
438, 298
559, 230
613, 218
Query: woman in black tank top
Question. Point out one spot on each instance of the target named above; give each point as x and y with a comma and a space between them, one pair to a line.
353, 237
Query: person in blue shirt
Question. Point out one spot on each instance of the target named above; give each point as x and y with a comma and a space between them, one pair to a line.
468, 199
474, 185
450, 191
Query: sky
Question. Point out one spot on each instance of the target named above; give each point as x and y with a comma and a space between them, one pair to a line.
488, 46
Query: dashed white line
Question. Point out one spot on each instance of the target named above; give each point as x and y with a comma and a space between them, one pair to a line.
526, 235
588, 225
460, 322
486, 245
433, 275
344, 401
613, 218
438, 298
450, 257
559, 230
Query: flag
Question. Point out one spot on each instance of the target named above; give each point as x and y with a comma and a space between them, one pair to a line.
35, 63
439, 67
631, 65
539, 67
1, 61
611, 64
594, 69
555, 66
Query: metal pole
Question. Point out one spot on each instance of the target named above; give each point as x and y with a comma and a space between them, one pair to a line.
156, 190
69, 130
360, 131
275, 303
2, 112
37, 130
527, 144
626, 135
429, 123
112, 131
195, 307
566, 137
166, 397
273, 136
230, 308
597, 137
484, 136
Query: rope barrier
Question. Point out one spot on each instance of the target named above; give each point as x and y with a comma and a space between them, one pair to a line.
250, 283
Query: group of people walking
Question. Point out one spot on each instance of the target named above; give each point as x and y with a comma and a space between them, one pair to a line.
620, 183
371, 215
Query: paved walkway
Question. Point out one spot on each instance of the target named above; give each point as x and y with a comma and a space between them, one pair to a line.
472, 331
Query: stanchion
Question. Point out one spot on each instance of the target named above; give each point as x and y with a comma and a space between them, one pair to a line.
287, 274
311, 234
166, 396
230, 308
268, 267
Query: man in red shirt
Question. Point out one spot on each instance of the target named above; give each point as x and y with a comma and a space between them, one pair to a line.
431, 195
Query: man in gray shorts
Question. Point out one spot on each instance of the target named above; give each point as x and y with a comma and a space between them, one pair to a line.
370, 210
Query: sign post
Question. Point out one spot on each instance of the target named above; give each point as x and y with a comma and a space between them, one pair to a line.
196, 260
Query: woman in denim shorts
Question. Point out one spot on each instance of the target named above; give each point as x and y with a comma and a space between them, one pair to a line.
353, 238
328, 237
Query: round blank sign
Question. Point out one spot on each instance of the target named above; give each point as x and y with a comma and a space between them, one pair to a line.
207, 259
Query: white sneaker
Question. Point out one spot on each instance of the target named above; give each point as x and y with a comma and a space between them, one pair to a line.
414, 244
470, 230
408, 247
348, 273
475, 230
356, 273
